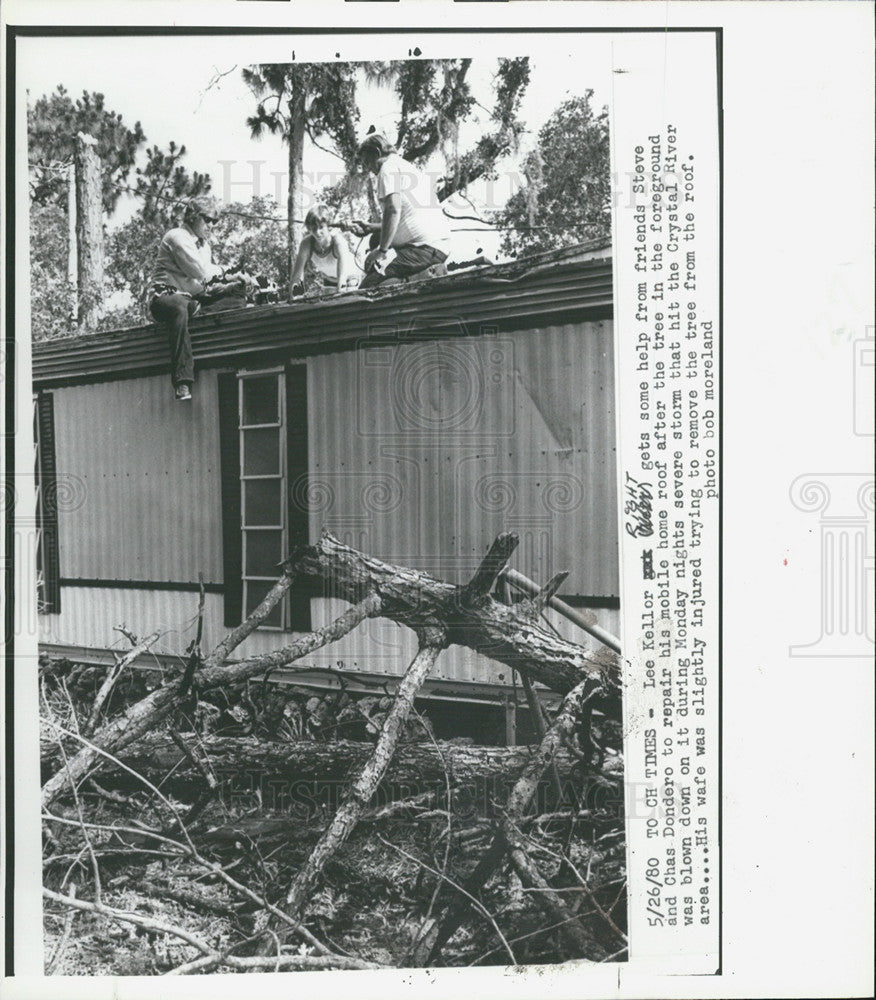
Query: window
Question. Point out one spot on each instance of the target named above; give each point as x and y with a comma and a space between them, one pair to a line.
263, 435
45, 477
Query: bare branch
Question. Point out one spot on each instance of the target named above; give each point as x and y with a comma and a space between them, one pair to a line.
210, 866
113, 675
81, 818
543, 597
273, 963
475, 902
61, 946
126, 917
364, 787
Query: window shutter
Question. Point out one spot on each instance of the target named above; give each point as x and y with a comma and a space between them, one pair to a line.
232, 548
50, 555
296, 485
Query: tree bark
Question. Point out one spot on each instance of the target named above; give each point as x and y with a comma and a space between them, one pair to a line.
418, 600
295, 203
362, 790
157, 756
89, 232
112, 676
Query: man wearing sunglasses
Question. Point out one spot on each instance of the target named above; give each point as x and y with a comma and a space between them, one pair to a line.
184, 278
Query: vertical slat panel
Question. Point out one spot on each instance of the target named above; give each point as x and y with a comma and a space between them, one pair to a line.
146, 474
49, 495
229, 445
297, 487
426, 451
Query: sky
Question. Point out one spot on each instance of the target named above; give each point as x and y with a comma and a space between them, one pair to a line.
190, 90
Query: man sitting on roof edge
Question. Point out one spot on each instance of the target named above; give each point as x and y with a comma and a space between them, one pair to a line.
184, 279
412, 223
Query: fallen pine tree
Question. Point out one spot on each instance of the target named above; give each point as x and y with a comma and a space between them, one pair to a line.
237, 758
304, 777
440, 614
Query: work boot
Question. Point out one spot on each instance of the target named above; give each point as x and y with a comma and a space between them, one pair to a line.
183, 391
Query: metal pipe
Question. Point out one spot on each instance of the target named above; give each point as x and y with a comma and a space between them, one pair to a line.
528, 587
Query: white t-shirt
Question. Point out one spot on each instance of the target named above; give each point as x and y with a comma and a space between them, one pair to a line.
421, 222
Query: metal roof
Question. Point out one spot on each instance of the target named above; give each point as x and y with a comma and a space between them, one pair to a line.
559, 285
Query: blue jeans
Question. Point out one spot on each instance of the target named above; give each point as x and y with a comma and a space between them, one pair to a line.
172, 310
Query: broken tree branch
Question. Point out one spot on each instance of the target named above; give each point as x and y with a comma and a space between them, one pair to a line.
273, 963
493, 563
549, 900
146, 714
520, 797
124, 916
362, 790
418, 600
195, 657
478, 905
112, 676
543, 597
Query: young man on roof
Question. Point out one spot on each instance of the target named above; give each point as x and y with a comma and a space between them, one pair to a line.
412, 224
184, 269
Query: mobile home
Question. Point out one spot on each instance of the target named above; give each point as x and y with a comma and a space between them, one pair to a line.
415, 422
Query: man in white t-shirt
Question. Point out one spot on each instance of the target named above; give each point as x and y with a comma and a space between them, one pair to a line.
412, 223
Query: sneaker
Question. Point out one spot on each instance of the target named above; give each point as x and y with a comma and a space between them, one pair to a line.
183, 392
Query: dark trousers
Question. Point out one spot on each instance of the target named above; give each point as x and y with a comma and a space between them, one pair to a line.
172, 312
409, 259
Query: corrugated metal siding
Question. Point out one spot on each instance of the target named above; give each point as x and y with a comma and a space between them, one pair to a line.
89, 615
419, 453
377, 646
146, 472
422, 453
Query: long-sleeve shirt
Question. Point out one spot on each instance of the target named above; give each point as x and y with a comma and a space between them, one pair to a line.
181, 262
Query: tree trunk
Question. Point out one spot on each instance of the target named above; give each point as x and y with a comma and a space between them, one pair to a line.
89, 232
295, 203
370, 776
414, 764
510, 635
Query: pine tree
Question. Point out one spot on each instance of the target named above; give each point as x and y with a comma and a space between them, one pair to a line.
304, 99
164, 184
53, 122
436, 98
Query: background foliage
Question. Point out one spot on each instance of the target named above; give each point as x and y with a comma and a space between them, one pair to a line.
564, 198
